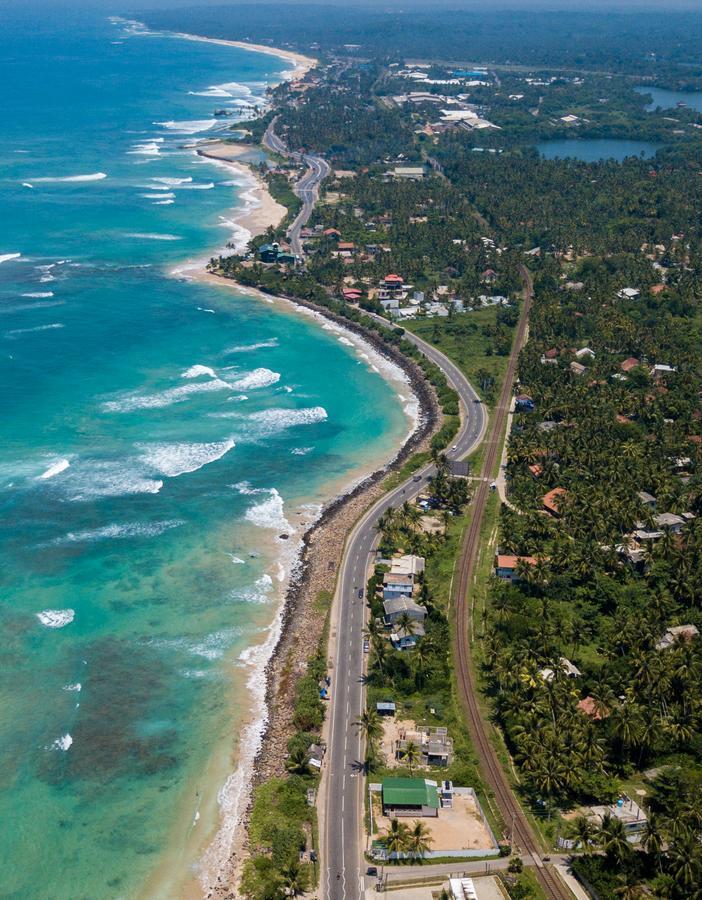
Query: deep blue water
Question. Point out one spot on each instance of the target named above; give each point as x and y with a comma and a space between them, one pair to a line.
159, 436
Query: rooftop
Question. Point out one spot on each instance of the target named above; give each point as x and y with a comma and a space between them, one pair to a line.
410, 792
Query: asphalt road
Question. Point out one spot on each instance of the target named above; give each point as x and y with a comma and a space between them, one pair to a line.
307, 188
342, 833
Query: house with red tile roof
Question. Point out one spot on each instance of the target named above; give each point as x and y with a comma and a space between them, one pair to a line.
553, 500
629, 364
506, 565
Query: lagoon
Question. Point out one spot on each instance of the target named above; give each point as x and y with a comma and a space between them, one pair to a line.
596, 149
664, 99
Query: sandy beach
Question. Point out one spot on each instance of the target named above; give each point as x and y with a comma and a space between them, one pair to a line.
261, 210
300, 63
300, 627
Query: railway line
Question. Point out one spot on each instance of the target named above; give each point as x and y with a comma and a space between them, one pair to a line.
523, 836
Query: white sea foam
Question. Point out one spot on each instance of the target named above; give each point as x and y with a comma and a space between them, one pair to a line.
131, 402
146, 148
244, 488
193, 126
301, 451
152, 236
76, 687
170, 182
271, 421
177, 459
160, 195
39, 294
204, 309
197, 186
269, 514
258, 345
164, 202
258, 378
237, 560
124, 530
56, 618
214, 645
63, 743
107, 478
6, 257
94, 176
27, 185
55, 469
17, 331
211, 92
196, 371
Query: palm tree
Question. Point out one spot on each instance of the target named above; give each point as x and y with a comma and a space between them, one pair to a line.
396, 838
419, 839
411, 755
380, 653
373, 629
651, 838
295, 878
583, 832
411, 516
406, 624
628, 887
612, 838
369, 725
685, 866
297, 762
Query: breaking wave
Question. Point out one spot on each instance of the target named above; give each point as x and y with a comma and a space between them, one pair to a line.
56, 618
269, 514
95, 176
168, 397
258, 378
177, 459
126, 530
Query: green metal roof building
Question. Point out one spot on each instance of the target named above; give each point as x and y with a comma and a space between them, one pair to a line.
410, 797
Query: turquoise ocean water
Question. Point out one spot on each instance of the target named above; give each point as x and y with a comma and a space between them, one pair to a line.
158, 435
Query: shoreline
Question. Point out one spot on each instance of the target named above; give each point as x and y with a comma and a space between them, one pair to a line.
298, 622
281, 658
266, 211
301, 63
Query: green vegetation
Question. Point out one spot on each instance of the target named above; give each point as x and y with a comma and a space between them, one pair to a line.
479, 343
595, 697
283, 823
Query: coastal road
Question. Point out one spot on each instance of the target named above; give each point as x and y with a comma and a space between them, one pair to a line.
307, 188
342, 793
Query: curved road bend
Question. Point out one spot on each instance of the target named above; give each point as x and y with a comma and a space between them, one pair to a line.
342, 825
307, 188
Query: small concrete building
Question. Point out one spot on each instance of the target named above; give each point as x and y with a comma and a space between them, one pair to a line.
397, 586
396, 607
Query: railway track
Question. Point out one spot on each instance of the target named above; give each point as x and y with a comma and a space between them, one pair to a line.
523, 836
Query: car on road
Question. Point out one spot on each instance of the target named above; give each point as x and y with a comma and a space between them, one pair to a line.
417, 478
477, 400
360, 593
454, 448
366, 646
372, 871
